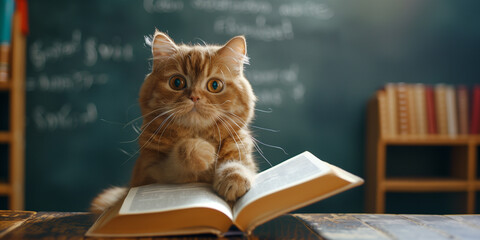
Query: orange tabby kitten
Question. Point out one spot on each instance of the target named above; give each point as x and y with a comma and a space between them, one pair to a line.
196, 105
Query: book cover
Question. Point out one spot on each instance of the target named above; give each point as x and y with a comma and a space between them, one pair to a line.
421, 109
184, 209
403, 109
412, 114
475, 119
441, 109
462, 109
451, 107
431, 114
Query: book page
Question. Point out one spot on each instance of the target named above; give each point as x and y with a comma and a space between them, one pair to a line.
294, 171
168, 197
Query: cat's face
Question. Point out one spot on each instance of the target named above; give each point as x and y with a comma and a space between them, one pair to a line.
196, 86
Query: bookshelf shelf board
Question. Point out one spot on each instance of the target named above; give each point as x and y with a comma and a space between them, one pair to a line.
4, 137
425, 185
428, 140
5, 86
5, 189
477, 185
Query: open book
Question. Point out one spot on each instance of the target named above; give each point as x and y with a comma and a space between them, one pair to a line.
168, 209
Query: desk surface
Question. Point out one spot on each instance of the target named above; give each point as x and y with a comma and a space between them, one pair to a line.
65, 225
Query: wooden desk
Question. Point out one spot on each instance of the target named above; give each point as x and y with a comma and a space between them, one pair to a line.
66, 225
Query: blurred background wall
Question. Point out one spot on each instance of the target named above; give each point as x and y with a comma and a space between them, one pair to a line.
314, 65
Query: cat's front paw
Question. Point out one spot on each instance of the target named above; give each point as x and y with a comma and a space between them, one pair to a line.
196, 154
232, 180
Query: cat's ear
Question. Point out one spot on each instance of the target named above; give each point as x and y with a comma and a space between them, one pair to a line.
234, 52
162, 45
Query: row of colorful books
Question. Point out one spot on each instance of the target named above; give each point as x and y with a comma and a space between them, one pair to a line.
419, 109
7, 9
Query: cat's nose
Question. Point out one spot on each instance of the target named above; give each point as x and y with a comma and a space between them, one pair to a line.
194, 98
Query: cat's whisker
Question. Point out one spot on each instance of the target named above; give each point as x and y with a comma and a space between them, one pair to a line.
231, 135
173, 119
141, 117
257, 147
245, 124
218, 104
270, 110
260, 151
266, 129
146, 126
156, 131
125, 152
151, 137
268, 145
217, 154
261, 154
239, 138
136, 129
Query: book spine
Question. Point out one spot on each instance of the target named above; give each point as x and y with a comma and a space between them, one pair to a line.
475, 119
441, 109
421, 109
462, 109
412, 114
403, 109
451, 107
7, 8
431, 114
391, 104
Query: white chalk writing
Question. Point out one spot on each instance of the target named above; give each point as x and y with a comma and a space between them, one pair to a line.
260, 30
40, 55
233, 6
305, 9
64, 118
76, 81
273, 85
162, 6
114, 51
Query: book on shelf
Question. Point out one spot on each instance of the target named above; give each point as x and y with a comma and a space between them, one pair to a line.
431, 114
441, 109
7, 8
420, 105
462, 109
420, 110
451, 107
412, 117
183, 209
403, 109
475, 119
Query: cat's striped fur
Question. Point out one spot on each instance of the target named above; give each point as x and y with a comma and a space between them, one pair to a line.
193, 134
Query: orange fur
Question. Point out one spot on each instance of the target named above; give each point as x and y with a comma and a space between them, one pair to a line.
192, 134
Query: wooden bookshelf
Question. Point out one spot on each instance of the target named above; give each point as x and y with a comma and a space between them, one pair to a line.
14, 136
463, 159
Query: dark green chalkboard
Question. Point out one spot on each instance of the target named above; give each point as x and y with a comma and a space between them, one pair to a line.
314, 63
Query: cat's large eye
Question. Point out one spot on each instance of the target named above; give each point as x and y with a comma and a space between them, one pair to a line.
214, 85
177, 82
